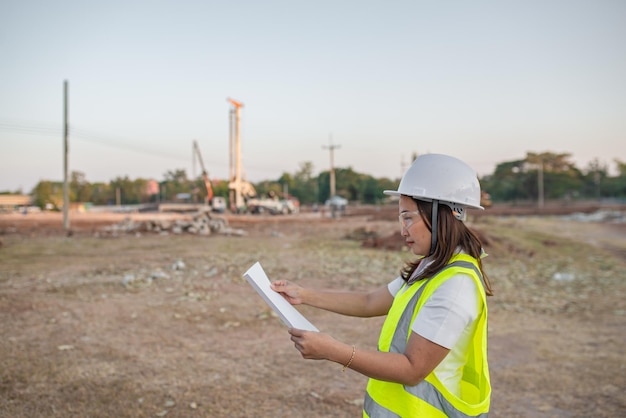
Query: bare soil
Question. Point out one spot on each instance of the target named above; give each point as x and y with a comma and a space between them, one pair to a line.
153, 325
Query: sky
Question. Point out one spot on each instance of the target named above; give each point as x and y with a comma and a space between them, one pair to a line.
485, 81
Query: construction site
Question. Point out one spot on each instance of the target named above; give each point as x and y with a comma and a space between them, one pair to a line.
135, 315
242, 196
143, 311
203, 139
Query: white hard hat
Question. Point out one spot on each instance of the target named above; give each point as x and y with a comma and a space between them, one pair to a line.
443, 178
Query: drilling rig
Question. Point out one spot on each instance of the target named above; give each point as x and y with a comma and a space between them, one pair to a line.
239, 189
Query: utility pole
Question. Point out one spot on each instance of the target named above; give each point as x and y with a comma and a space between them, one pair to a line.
66, 190
540, 184
332, 148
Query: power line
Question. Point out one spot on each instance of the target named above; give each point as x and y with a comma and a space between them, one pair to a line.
86, 136
32, 129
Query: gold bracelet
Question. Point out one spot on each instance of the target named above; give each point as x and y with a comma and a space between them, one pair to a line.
350, 361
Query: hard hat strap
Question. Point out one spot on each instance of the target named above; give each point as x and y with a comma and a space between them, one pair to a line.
433, 226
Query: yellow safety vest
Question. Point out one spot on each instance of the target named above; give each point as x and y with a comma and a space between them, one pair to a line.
430, 398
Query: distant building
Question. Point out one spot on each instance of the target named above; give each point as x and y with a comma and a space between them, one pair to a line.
11, 202
152, 188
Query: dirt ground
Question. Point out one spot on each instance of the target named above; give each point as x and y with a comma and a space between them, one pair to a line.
152, 324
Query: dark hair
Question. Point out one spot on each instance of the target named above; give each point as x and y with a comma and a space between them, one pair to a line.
451, 233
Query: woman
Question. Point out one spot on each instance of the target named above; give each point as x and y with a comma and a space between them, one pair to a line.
432, 351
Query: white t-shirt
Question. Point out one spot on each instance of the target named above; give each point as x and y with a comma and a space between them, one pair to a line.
448, 318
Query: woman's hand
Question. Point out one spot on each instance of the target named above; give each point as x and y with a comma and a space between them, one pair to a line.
314, 345
291, 292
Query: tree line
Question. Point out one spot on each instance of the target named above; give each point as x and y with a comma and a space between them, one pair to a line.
551, 175
554, 177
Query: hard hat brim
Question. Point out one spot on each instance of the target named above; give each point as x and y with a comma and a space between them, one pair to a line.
391, 192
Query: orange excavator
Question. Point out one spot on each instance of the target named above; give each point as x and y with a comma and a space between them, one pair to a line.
205, 175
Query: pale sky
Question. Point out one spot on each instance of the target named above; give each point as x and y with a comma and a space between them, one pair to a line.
486, 81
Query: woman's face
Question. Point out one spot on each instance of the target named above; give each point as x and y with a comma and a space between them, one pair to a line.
413, 229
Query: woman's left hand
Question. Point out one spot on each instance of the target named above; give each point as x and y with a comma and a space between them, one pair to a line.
313, 345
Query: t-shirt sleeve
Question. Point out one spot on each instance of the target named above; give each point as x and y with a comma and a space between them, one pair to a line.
450, 309
395, 286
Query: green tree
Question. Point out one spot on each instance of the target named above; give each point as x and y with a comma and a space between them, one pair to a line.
561, 178
101, 194
16, 191
369, 190
616, 186
301, 185
48, 192
621, 168
348, 182
508, 182
287, 184
354, 186
521, 180
304, 185
80, 189
131, 192
512, 181
594, 179
387, 184
220, 188
175, 182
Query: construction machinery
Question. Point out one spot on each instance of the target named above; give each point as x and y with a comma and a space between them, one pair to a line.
272, 205
240, 191
205, 174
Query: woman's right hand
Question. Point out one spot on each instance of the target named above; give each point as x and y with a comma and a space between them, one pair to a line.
290, 291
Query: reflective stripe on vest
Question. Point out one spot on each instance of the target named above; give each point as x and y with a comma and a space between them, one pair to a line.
424, 396
425, 391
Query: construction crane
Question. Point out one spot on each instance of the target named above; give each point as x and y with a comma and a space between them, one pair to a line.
205, 175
